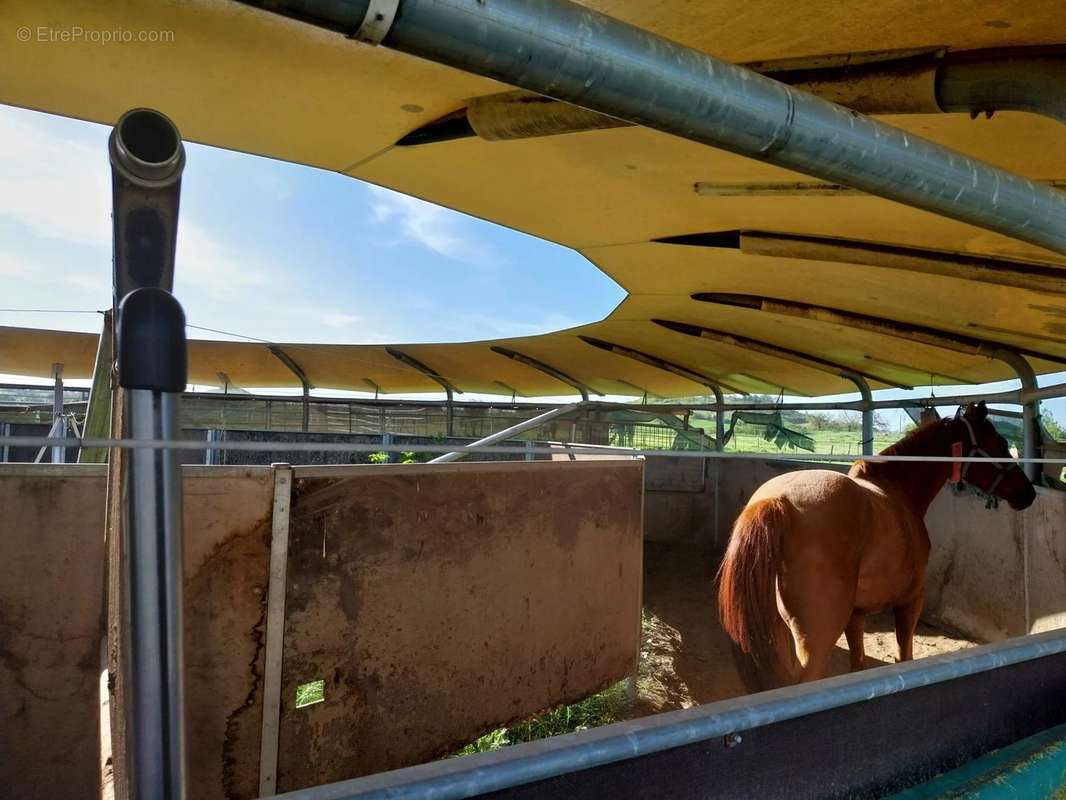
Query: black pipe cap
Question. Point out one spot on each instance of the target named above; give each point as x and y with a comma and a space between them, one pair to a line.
151, 341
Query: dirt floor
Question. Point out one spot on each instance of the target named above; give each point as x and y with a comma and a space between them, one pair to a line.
685, 657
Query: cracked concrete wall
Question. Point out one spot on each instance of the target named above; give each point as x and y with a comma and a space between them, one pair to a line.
440, 601
227, 560
51, 607
51, 626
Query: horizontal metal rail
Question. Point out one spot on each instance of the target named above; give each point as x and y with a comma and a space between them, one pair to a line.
572, 448
1009, 397
536, 761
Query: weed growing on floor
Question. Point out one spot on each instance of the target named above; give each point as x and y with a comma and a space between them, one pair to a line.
592, 712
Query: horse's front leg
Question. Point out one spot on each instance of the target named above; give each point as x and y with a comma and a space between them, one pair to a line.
856, 645
906, 621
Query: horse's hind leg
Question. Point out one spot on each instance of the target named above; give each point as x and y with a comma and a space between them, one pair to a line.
906, 621
856, 645
816, 617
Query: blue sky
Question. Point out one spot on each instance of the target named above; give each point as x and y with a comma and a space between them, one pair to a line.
286, 253
278, 251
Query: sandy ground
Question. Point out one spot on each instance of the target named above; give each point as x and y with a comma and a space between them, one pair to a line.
685, 656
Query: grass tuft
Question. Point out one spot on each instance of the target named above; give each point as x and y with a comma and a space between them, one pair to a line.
600, 709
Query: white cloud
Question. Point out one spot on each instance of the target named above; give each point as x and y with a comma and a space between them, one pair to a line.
208, 266
434, 227
337, 320
12, 266
55, 186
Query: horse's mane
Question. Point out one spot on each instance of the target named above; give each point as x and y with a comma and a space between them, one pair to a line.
917, 442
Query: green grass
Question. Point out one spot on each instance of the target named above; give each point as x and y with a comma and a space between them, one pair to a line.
599, 709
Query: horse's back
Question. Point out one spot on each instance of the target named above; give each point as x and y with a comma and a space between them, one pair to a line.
849, 527
810, 488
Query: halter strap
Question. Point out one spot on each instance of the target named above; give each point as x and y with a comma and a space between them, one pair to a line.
980, 451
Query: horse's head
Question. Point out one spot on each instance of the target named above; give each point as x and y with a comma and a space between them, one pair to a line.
979, 437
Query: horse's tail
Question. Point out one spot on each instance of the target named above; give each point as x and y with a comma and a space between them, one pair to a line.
747, 596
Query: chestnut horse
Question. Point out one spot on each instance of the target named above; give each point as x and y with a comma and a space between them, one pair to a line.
814, 551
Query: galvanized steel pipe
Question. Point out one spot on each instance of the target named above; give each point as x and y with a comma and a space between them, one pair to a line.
867, 411
507, 433
1033, 83
523, 764
571, 53
1030, 407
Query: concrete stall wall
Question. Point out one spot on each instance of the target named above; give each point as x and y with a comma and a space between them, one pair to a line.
439, 601
52, 561
997, 573
414, 591
51, 609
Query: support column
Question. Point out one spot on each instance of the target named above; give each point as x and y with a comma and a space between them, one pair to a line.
719, 417
59, 422
867, 411
296, 370
1030, 408
547, 369
436, 377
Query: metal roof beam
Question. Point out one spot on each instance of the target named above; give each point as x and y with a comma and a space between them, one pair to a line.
1031, 275
926, 81
713, 384
634, 75
547, 369
921, 334
426, 370
305, 382
775, 351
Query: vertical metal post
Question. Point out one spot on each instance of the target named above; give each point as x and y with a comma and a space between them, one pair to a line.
153, 557
1030, 409
212, 454
530, 444
867, 411
386, 441
59, 426
719, 418
147, 159
450, 412
305, 382
275, 631
5, 452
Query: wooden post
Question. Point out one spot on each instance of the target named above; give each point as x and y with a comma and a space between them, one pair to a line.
115, 603
98, 414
